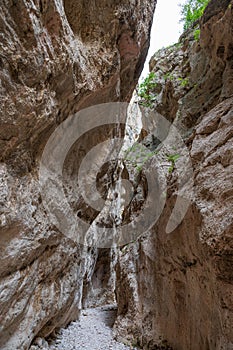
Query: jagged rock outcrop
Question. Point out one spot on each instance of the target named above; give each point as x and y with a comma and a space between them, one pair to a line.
56, 58
175, 290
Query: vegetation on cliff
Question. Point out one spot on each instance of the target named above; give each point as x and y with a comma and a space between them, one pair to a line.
191, 11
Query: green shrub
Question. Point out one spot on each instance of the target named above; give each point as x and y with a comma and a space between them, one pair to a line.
168, 76
196, 34
138, 155
172, 158
183, 81
145, 91
192, 10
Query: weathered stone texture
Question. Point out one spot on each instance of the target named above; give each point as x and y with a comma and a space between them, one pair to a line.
175, 290
56, 57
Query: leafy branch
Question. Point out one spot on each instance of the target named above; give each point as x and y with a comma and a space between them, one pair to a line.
191, 11
145, 91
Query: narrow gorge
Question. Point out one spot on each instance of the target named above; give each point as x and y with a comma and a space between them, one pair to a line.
116, 197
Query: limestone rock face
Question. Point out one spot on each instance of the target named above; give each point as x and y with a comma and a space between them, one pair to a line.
56, 58
194, 75
175, 290
99, 286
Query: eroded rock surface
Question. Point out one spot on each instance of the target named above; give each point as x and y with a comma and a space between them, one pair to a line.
56, 58
99, 287
175, 290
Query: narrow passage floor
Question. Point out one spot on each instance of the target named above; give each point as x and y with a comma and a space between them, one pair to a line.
92, 332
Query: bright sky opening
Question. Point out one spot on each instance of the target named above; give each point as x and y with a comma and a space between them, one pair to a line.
166, 28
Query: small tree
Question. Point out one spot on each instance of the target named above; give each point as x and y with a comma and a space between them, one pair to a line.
192, 10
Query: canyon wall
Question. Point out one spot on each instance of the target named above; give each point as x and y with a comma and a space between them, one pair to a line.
56, 58
175, 290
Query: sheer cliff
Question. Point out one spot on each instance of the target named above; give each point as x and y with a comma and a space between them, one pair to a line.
175, 289
56, 58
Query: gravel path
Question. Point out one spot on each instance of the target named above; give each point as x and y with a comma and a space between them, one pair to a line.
92, 332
